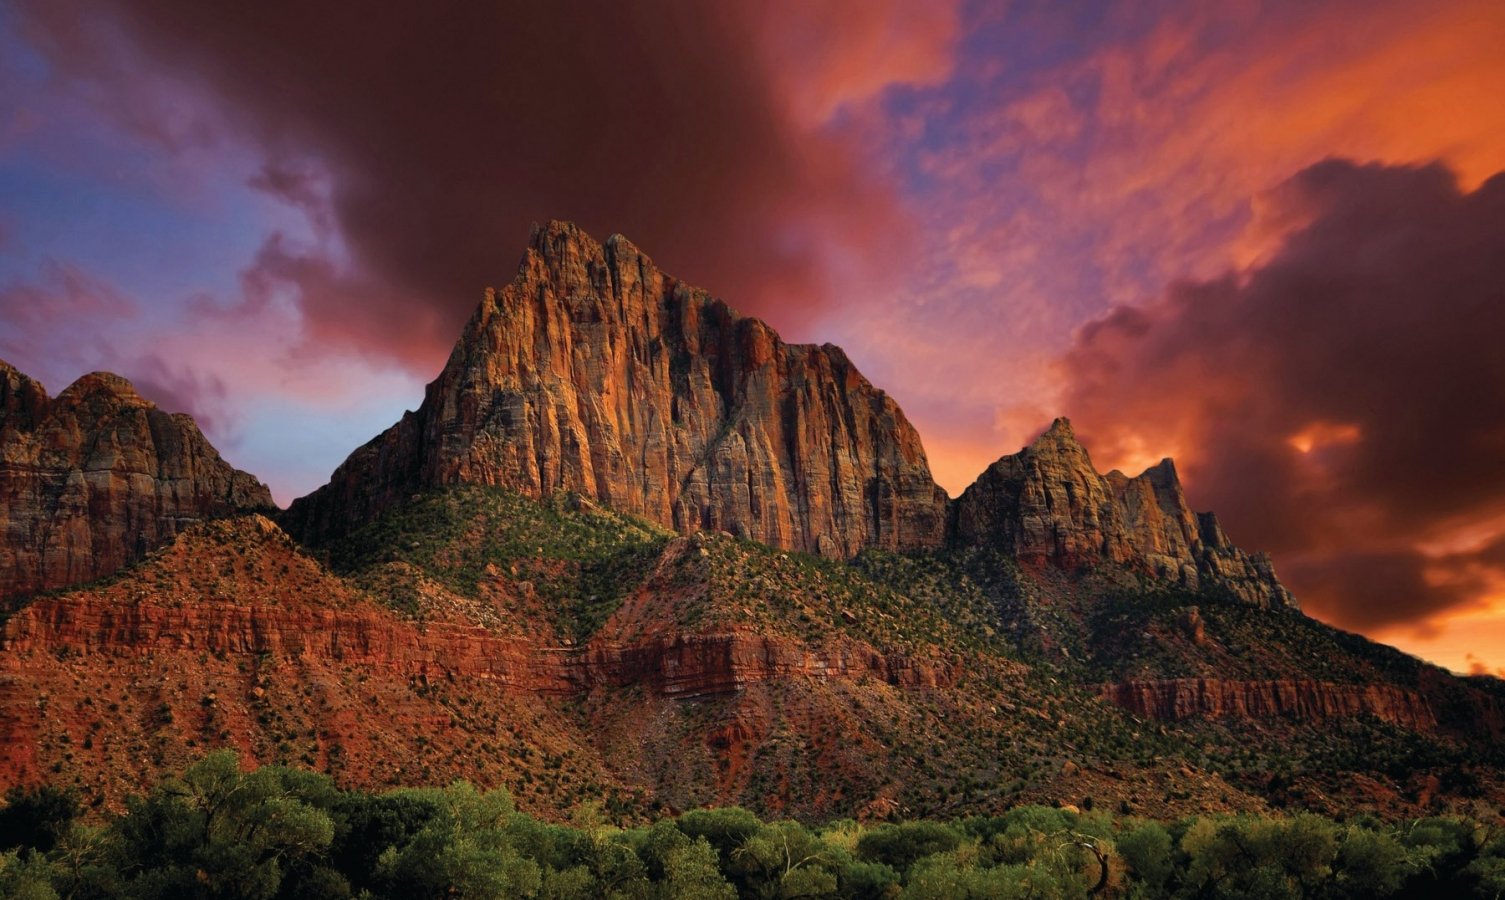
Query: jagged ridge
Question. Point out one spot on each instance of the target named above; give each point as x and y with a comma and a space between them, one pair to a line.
594, 372
1047, 505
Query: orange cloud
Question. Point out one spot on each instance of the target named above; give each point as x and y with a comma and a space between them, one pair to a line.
1148, 159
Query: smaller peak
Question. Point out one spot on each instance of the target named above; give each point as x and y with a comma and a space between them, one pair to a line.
1162, 474
1062, 426
108, 383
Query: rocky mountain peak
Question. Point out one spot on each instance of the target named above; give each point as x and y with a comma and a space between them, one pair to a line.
595, 372
95, 478
1047, 505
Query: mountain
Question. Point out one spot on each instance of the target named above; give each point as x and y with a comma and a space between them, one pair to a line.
1047, 505
634, 549
594, 372
93, 479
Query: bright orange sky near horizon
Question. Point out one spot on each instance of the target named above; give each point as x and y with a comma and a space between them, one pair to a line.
1259, 237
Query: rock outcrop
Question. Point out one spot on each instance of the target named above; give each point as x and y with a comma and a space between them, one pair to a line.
93, 479
595, 372
1047, 505
1302, 700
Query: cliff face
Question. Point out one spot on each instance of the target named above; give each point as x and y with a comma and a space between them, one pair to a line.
679, 665
1047, 505
597, 373
1301, 700
93, 479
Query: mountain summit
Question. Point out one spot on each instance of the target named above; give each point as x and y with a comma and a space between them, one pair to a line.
596, 373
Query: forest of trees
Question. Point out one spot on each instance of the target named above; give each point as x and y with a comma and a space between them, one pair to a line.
218, 831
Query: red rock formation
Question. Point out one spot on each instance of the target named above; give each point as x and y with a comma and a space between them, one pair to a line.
95, 478
272, 599
234, 636
597, 373
686, 665
1047, 505
1301, 700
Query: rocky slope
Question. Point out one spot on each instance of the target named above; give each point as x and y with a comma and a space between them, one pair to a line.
595, 372
1047, 505
453, 643
233, 636
96, 477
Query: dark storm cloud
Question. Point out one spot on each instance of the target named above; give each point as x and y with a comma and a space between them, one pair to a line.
1343, 403
442, 130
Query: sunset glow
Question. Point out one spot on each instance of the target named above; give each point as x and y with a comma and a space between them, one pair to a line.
1267, 239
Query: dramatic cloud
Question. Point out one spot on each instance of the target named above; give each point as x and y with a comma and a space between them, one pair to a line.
278, 215
1085, 156
1342, 403
431, 135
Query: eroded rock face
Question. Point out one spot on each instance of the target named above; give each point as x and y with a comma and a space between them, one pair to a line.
93, 479
241, 586
1301, 700
1047, 505
597, 373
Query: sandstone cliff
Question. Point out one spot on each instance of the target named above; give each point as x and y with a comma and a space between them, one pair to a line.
95, 478
1298, 699
595, 372
1047, 505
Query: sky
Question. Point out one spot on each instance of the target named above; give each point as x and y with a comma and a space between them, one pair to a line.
1264, 238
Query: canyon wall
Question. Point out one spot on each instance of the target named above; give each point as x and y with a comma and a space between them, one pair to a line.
1303, 700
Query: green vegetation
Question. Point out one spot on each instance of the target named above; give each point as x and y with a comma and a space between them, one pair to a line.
1145, 632
579, 559
274, 832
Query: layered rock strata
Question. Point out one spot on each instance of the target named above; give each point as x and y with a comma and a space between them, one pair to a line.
1302, 700
240, 587
595, 372
95, 478
1047, 505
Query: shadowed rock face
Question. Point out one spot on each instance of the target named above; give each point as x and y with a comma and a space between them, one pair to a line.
1300, 699
597, 373
1047, 505
93, 479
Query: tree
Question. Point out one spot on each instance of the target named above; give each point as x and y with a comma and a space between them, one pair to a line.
1147, 850
691, 873
901, 845
36, 817
219, 832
